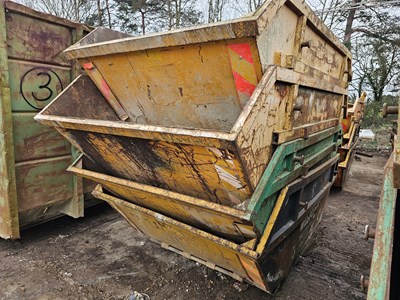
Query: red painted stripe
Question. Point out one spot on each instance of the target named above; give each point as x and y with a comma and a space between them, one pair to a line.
88, 66
105, 89
242, 85
243, 50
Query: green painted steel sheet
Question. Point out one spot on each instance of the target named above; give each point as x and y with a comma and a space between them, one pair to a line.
36, 39
35, 141
381, 266
34, 85
34, 183
43, 182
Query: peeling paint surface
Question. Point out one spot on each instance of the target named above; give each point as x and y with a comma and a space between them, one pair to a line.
34, 71
265, 271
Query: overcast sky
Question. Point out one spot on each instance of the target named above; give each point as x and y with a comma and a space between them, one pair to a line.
233, 9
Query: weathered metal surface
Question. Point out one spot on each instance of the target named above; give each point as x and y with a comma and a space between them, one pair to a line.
33, 85
189, 84
350, 131
222, 166
385, 266
269, 89
381, 283
396, 162
28, 39
176, 70
389, 110
43, 182
239, 223
8, 198
264, 263
202, 164
35, 141
346, 159
35, 184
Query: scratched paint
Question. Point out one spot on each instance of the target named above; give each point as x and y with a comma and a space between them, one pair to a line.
238, 110
264, 268
350, 130
381, 273
235, 222
33, 72
233, 125
158, 83
243, 70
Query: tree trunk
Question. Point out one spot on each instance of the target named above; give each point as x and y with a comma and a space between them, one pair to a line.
210, 11
178, 11
108, 14
349, 25
360, 85
142, 14
99, 14
170, 17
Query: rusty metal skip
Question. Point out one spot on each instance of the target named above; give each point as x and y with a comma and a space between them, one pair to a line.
218, 141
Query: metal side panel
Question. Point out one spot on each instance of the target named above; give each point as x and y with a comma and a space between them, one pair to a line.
185, 80
264, 264
33, 39
34, 182
38, 72
345, 162
9, 225
187, 239
197, 212
43, 182
381, 267
235, 223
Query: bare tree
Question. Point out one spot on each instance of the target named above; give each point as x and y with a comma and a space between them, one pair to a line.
155, 15
215, 10
99, 13
75, 10
181, 13
349, 25
241, 7
108, 10
332, 13
254, 4
376, 67
384, 67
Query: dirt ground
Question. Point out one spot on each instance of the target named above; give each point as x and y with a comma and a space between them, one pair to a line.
101, 257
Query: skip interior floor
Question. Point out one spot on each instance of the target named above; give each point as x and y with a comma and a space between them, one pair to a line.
102, 257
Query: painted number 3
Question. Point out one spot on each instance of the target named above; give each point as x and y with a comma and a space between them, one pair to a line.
40, 85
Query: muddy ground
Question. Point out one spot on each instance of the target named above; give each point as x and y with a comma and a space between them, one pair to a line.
101, 257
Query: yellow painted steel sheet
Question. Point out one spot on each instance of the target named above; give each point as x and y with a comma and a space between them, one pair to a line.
208, 73
235, 223
200, 111
350, 129
222, 167
195, 211
179, 86
264, 266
